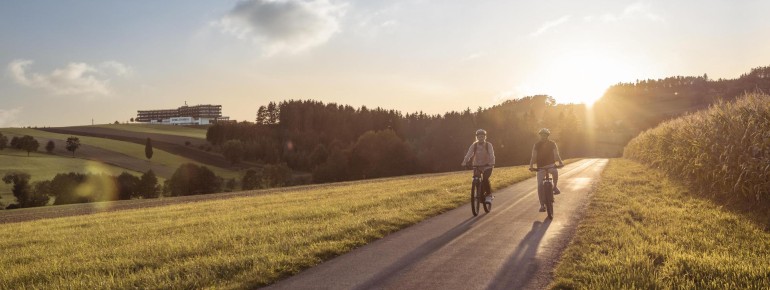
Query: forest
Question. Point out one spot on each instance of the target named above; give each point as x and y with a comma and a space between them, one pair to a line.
339, 142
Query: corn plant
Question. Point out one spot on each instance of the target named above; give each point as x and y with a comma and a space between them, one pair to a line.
722, 152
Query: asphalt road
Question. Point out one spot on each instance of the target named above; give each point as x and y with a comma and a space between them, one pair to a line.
512, 247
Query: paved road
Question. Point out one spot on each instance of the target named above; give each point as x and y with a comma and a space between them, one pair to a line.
512, 247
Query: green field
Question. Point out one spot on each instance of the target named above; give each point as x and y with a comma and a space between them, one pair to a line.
130, 149
159, 129
44, 167
230, 243
644, 231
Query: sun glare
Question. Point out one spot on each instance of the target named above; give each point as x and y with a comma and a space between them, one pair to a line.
575, 77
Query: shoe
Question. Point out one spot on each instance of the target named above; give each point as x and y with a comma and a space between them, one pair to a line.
542, 208
556, 190
488, 200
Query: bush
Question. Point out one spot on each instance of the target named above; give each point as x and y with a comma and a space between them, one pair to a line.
191, 179
723, 152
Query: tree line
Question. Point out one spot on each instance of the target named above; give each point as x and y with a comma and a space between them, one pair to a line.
339, 142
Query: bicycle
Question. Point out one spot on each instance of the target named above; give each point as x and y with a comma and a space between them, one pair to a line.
548, 188
477, 191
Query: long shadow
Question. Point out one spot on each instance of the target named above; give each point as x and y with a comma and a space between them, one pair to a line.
423, 250
510, 276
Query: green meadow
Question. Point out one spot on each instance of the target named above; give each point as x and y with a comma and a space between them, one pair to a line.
129, 149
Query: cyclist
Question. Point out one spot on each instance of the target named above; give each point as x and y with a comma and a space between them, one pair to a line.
545, 153
483, 154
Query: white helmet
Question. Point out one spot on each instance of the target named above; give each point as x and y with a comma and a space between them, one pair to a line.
544, 131
481, 132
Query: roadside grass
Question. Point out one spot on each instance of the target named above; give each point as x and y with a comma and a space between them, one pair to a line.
645, 231
159, 129
127, 148
43, 166
231, 243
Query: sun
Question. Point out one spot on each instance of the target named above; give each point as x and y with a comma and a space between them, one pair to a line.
576, 77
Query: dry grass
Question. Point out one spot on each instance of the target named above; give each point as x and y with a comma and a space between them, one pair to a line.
233, 243
645, 231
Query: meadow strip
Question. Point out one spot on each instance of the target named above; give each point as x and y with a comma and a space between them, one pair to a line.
232, 243
644, 231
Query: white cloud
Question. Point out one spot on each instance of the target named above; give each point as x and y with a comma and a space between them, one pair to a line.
638, 9
76, 78
550, 24
283, 25
116, 68
8, 117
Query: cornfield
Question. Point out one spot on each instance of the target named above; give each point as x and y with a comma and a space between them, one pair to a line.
722, 152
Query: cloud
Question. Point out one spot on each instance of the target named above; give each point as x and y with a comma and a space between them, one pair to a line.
8, 117
283, 25
550, 24
76, 78
638, 9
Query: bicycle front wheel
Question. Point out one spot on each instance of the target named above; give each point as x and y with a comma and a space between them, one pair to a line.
475, 191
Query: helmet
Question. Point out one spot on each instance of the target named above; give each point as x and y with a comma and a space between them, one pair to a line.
544, 131
481, 132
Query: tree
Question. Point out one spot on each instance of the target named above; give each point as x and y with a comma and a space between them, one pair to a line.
191, 179
116, 122
50, 146
275, 175
272, 113
148, 185
25, 196
128, 185
318, 156
28, 143
262, 115
132, 120
233, 151
15, 144
230, 185
148, 149
73, 143
250, 180
3, 141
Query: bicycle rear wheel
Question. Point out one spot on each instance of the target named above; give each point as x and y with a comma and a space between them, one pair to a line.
475, 199
548, 187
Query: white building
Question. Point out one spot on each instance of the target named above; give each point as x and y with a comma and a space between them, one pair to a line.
185, 121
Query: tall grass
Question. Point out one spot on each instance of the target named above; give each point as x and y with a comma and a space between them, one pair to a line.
722, 152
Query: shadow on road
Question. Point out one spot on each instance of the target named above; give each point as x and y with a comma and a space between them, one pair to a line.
423, 250
509, 276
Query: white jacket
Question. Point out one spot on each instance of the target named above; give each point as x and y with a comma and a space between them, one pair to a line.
482, 154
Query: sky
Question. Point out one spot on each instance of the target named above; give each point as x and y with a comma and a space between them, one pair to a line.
78, 62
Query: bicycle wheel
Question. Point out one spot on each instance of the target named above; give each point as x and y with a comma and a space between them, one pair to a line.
487, 206
548, 187
474, 199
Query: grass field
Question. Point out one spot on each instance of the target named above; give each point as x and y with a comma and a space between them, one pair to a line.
43, 166
230, 243
159, 129
130, 149
643, 231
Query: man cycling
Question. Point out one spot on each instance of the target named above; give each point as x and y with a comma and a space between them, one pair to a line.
545, 153
483, 154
